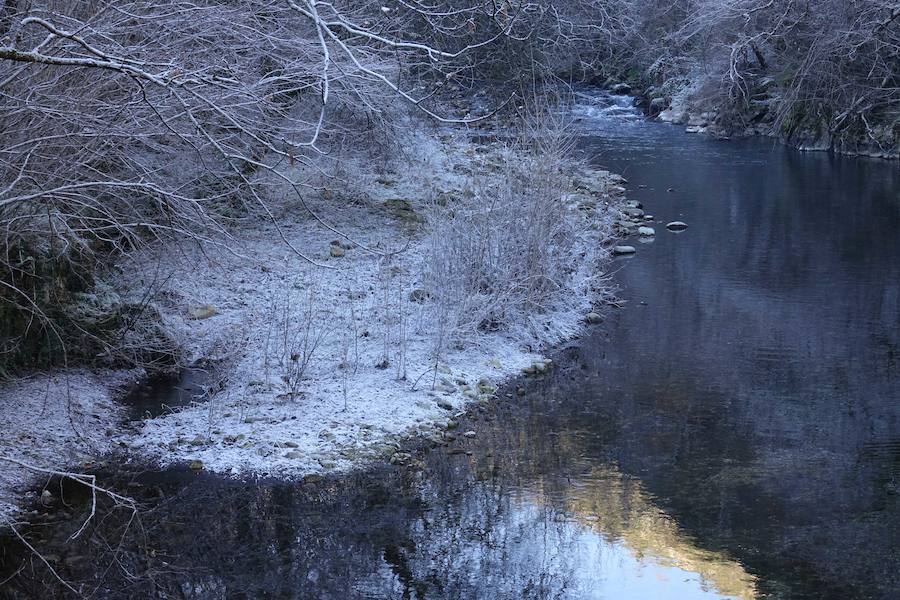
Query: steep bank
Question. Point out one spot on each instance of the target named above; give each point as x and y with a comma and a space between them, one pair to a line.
819, 78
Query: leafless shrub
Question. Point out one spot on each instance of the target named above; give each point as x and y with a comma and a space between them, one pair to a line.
300, 326
392, 313
507, 255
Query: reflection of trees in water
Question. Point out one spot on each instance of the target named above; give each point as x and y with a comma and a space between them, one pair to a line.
806, 516
749, 395
492, 524
619, 509
375, 536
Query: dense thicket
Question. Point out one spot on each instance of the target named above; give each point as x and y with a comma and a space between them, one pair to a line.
826, 71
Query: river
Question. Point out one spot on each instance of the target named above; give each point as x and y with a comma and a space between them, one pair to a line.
733, 431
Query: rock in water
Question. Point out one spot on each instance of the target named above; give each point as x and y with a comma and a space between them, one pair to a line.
593, 318
676, 226
621, 89
623, 250
646, 231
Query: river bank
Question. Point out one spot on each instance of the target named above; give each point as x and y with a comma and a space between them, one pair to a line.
327, 362
55, 421
683, 104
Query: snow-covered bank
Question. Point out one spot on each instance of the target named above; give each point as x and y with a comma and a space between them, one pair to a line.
330, 360
326, 368
52, 421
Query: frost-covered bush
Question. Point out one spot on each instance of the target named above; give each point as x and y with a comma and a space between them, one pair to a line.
514, 251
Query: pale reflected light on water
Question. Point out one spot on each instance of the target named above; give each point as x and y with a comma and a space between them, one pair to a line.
646, 543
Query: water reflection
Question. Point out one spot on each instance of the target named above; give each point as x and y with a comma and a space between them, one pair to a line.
759, 381
622, 513
497, 523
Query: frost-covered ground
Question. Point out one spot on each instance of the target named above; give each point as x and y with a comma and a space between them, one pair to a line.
324, 364
55, 420
372, 376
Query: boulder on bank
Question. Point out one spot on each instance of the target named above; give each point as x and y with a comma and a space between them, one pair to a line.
673, 115
403, 210
676, 226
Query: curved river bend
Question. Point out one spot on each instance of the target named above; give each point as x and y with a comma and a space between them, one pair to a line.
734, 432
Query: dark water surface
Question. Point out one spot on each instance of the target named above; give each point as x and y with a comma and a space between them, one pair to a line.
734, 432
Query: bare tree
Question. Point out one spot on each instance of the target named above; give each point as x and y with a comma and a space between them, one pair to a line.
127, 122
804, 66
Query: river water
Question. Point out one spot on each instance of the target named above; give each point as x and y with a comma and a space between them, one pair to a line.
732, 432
